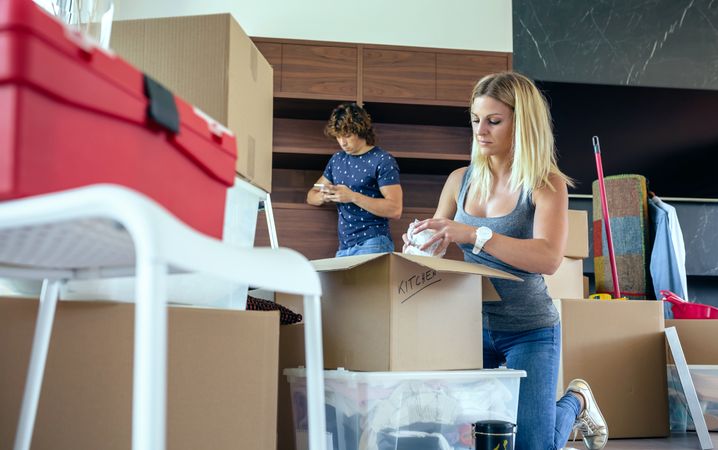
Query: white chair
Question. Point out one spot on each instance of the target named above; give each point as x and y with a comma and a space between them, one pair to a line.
108, 231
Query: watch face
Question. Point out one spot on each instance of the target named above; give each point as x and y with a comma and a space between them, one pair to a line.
485, 232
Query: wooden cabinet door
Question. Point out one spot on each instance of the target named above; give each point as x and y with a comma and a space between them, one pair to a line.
317, 71
456, 74
273, 54
398, 74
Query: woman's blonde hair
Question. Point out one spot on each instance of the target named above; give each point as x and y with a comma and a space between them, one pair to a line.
534, 152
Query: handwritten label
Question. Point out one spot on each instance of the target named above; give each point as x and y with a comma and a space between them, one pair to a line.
417, 283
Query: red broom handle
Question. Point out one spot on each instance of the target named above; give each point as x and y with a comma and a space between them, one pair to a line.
606, 218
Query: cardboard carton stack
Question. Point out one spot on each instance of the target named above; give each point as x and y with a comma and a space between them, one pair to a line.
222, 376
617, 346
568, 281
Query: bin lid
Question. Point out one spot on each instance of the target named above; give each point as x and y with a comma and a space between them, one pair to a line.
494, 427
448, 375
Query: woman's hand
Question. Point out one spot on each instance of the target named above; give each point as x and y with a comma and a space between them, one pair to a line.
406, 245
447, 231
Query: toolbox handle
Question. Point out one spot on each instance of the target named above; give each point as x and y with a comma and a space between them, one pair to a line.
216, 128
161, 105
84, 42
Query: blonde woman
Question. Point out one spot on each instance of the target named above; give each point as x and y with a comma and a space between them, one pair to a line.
509, 210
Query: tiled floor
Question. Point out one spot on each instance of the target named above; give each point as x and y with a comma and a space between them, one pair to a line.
688, 441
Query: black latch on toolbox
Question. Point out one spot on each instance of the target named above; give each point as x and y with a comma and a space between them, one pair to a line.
162, 108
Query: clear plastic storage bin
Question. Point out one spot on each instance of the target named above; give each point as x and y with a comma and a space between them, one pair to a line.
705, 380
376, 410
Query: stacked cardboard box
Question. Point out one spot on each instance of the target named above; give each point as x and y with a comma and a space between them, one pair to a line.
210, 62
617, 346
222, 376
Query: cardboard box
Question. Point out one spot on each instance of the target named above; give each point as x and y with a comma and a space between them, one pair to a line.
577, 244
586, 287
697, 341
698, 338
222, 377
394, 312
618, 347
210, 62
567, 282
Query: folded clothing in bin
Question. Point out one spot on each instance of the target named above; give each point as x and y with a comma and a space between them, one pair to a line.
73, 115
705, 381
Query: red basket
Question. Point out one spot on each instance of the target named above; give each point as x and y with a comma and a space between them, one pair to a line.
686, 310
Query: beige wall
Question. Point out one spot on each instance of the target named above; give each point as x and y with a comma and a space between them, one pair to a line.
460, 24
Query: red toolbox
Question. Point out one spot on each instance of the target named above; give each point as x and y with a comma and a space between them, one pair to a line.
72, 115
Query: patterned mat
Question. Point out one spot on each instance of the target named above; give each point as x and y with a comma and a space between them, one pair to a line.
628, 210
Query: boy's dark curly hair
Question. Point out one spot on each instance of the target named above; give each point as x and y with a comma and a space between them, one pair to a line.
348, 119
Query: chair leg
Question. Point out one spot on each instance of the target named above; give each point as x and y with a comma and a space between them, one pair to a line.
38, 357
315, 374
149, 393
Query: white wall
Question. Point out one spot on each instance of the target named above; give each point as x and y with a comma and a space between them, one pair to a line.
460, 24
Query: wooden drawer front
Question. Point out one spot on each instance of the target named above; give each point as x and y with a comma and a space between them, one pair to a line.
319, 70
273, 54
393, 74
457, 74
425, 141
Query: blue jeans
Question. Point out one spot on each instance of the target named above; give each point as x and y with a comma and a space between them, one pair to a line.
543, 423
377, 244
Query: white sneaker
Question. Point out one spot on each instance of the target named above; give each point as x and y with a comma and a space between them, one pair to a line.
590, 422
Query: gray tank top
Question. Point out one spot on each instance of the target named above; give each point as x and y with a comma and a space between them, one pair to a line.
523, 306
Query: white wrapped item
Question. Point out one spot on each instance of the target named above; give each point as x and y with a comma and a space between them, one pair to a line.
416, 240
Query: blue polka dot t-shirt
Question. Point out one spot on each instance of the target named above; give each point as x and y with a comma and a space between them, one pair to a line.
365, 174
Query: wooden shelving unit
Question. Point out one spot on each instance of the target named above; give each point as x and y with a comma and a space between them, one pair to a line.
418, 100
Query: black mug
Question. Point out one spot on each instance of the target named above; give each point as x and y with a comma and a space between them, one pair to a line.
494, 435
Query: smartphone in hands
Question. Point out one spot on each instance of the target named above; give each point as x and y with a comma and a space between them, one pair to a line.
322, 187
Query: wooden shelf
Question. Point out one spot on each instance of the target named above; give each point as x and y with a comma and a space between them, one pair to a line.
307, 207
395, 154
304, 108
314, 96
403, 141
420, 114
420, 190
318, 161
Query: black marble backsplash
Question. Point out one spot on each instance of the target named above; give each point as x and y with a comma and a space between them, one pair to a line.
664, 43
